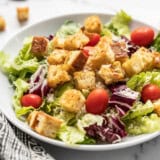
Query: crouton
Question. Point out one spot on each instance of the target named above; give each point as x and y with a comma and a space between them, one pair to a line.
85, 80
141, 60
76, 60
72, 100
111, 73
57, 57
156, 62
157, 107
57, 74
100, 54
58, 42
2, 24
119, 48
44, 124
39, 46
71, 42
93, 24
76, 41
22, 13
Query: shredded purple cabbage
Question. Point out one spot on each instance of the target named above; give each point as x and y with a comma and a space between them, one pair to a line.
38, 82
131, 47
112, 130
122, 99
50, 37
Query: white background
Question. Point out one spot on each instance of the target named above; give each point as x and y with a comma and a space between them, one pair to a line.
144, 10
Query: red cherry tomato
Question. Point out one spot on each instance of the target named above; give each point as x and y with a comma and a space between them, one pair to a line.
150, 92
97, 101
31, 100
142, 36
86, 51
93, 39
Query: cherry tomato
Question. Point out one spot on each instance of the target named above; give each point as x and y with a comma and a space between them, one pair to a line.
93, 39
142, 36
97, 101
150, 92
31, 100
86, 51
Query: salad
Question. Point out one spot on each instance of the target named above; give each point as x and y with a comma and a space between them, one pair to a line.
88, 83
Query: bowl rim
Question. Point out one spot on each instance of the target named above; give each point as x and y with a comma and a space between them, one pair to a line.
99, 147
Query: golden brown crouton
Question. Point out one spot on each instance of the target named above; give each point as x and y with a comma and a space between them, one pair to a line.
157, 107
111, 73
85, 80
22, 13
76, 60
93, 24
100, 54
76, 41
141, 60
72, 100
156, 62
57, 74
119, 48
71, 42
57, 56
39, 46
2, 24
44, 124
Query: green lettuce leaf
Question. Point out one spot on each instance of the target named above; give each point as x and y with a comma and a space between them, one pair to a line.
68, 28
23, 111
138, 81
156, 43
145, 124
119, 24
21, 87
139, 109
70, 135
23, 65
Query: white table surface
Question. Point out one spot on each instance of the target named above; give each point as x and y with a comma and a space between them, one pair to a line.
144, 10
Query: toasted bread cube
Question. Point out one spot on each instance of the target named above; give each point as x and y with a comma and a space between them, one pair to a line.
39, 46
76, 60
157, 107
156, 63
2, 24
93, 24
111, 73
76, 41
58, 42
57, 57
44, 124
85, 80
57, 74
22, 13
141, 60
72, 100
119, 48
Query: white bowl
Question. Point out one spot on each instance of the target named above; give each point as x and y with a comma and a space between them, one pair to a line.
12, 47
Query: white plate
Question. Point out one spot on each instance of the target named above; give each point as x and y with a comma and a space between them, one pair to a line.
12, 47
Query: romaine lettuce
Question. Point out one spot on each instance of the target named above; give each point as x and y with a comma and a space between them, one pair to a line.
70, 135
139, 109
138, 81
119, 24
68, 28
145, 124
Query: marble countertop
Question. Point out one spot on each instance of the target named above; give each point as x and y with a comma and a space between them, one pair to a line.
147, 11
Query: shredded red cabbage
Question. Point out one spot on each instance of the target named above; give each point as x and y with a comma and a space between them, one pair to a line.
131, 47
50, 37
112, 130
122, 99
38, 82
